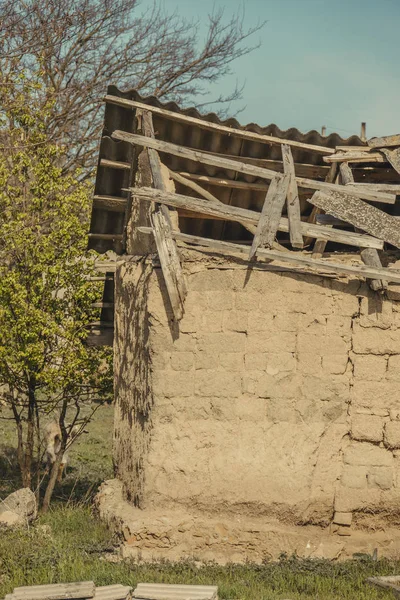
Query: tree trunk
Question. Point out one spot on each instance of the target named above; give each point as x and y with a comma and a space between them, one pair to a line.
30, 438
52, 480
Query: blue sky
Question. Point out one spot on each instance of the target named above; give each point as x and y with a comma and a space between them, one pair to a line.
321, 62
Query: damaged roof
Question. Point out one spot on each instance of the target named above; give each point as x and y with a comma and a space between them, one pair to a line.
117, 167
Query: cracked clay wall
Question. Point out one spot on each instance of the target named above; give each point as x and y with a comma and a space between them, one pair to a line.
276, 395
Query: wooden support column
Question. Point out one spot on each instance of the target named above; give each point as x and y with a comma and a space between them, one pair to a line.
162, 228
268, 222
293, 202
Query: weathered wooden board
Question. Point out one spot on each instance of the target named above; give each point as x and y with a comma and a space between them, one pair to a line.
384, 142
161, 222
163, 591
112, 203
271, 213
203, 124
370, 257
358, 157
250, 217
360, 214
113, 592
115, 164
58, 591
320, 266
235, 165
293, 202
391, 582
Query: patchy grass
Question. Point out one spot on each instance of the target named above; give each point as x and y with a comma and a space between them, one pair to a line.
70, 543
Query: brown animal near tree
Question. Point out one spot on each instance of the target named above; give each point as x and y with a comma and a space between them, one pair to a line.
53, 440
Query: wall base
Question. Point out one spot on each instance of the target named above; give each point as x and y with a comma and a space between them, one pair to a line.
151, 535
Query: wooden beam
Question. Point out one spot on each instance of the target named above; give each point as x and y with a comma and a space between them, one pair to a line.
297, 258
370, 257
360, 214
203, 124
161, 222
358, 157
111, 203
384, 142
271, 213
234, 213
202, 192
393, 157
293, 202
105, 236
388, 188
115, 164
235, 165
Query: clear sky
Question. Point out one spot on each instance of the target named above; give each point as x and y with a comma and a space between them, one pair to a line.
321, 62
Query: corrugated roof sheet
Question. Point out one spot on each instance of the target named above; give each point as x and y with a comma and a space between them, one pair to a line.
111, 181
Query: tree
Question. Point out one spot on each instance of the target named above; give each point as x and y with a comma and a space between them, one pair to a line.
46, 293
81, 46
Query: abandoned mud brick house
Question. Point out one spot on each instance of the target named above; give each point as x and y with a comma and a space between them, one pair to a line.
256, 332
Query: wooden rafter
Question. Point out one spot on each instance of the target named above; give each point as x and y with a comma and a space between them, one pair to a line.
319, 266
251, 217
234, 165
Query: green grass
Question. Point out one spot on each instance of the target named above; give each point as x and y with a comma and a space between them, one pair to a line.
70, 543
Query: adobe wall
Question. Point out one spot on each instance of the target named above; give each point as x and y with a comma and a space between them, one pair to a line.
275, 401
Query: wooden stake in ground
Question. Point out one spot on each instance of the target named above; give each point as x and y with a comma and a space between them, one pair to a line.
293, 202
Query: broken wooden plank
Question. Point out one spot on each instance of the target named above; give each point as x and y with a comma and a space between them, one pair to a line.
370, 257
391, 582
293, 202
389, 188
235, 165
115, 164
271, 213
251, 217
165, 591
111, 203
358, 157
292, 257
360, 214
384, 142
161, 222
168, 265
106, 236
393, 157
210, 126
58, 591
113, 592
